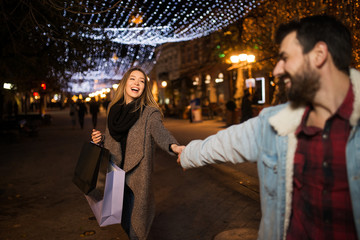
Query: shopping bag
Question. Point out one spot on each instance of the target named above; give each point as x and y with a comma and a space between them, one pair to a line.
108, 211
91, 168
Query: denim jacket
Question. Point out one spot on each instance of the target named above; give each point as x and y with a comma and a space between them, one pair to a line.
270, 140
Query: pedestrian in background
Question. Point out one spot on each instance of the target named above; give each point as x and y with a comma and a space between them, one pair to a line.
307, 150
246, 108
73, 113
134, 125
81, 110
94, 110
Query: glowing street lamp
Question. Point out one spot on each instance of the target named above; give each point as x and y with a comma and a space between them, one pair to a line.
250, 58
243, 57
234, 59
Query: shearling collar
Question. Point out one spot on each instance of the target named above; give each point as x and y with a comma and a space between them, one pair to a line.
288, 119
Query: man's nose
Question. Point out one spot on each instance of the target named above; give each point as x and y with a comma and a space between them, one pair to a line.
278, 69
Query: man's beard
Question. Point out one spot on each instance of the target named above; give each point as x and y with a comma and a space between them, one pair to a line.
304, 85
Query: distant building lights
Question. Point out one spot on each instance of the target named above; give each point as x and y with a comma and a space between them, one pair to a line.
207, 79
220, 78
8, 86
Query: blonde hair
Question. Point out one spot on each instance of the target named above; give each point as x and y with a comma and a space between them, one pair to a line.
146, 98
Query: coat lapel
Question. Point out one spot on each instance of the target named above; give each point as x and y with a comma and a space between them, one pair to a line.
135, 145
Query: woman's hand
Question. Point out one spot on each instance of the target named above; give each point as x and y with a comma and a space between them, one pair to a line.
96, 136
177, 149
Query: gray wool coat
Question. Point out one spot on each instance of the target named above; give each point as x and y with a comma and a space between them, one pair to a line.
140, 146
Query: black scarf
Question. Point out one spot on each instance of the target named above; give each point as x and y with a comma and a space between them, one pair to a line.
120, 119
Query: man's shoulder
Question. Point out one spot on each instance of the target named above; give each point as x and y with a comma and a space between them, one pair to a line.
272, 110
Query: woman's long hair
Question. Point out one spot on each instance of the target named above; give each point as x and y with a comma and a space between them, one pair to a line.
146, 98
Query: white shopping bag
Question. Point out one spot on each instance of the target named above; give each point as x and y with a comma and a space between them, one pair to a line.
108, 210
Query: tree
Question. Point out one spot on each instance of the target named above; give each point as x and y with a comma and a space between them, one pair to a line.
45, 41
255, 32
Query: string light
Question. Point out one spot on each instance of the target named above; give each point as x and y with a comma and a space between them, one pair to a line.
171, 21
137, 27
182, 20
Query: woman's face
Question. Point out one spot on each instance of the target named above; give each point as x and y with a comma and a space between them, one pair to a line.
134, 86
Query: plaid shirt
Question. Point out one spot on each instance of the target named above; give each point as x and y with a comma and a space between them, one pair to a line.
321, 207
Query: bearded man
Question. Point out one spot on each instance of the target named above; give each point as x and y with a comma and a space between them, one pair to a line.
307, 150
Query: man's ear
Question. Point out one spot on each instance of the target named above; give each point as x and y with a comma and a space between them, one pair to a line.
320, 53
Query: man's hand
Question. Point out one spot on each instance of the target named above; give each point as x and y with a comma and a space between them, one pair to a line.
178, 151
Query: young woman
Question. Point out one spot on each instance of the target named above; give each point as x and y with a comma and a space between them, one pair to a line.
134, 125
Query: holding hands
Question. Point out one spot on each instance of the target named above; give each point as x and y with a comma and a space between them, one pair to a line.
97, 137
177, 149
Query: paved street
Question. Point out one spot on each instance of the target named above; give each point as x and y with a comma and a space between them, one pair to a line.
39, 201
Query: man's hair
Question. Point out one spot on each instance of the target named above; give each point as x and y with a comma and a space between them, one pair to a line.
313, 29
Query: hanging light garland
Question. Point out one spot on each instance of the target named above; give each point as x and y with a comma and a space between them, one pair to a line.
137, 27
154, 23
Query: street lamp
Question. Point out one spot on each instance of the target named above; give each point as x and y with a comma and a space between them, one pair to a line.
243, 57
235, 59
250, 58
241, 61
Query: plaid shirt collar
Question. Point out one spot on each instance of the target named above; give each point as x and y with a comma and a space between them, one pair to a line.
344, 111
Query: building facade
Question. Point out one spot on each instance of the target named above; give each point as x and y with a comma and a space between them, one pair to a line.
185, 71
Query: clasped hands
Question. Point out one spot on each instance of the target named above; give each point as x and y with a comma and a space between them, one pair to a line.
177, 150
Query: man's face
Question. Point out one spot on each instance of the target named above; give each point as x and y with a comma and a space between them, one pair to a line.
294, 68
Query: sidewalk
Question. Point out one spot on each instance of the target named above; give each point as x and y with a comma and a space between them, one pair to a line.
245, 174
39, 201
242, 178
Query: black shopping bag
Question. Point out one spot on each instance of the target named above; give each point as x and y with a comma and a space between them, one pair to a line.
91, 168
